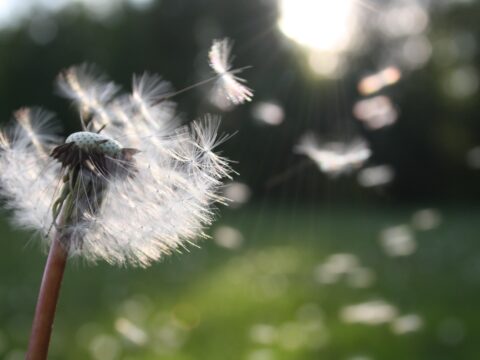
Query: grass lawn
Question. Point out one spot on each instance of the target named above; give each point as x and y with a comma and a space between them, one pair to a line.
279, 295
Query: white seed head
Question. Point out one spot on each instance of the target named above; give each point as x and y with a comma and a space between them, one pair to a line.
135, 220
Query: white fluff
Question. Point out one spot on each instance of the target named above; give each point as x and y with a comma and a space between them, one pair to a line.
228, 84
161, 208
28, 177
334, 158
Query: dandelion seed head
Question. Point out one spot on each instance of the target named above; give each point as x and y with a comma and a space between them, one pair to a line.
141, 186
91, 141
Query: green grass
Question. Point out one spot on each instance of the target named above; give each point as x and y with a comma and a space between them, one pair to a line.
261, 301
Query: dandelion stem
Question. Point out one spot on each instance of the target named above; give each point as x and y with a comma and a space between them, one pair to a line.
47, 301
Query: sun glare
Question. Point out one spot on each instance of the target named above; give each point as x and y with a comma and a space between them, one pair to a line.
322, 25
325, 28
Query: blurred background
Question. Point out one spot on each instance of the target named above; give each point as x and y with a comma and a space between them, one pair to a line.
353, 229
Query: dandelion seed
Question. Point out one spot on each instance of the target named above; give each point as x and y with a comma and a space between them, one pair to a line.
374, 176
426, 219
334, 158
131, 332
228, 237
228, 84
376, 112
398, 241
237, 193
268, 112
406, 324
373, 312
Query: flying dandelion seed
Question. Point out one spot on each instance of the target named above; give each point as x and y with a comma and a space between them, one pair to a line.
237, 194
426, 219
334, 158
398, 241
376, 112
268, 112
376, 176
228, 237
228, 85
374, 312
131, 332
406, 324
338, 266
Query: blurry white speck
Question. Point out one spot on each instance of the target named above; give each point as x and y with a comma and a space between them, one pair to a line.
360, 277
373, 83
473, 158
376, 112
228, 237
462, 82
263, 334
136, 308
338, 265
426, 219
269, 113
416, 51
398, 241
334, 158
406, 323
334, 266
131, 332
403, 20
374, 312
376, 176
238, 193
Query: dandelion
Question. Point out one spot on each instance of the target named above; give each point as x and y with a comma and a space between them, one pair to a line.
130, 188
334, 158
228, 84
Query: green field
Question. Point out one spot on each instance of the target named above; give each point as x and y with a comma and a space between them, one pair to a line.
268, 299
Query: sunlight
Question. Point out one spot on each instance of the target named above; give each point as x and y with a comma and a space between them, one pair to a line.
321, 25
